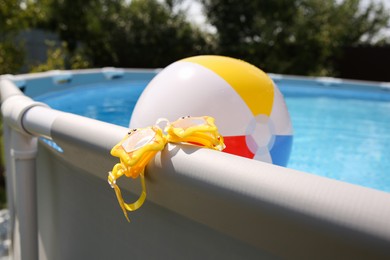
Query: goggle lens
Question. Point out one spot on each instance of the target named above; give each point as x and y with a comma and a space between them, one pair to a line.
188, 122
138, 139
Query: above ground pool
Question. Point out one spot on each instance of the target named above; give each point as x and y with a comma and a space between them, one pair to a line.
341, 128
332, 198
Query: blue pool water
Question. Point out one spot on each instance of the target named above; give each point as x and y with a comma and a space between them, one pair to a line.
338, 133
113, 103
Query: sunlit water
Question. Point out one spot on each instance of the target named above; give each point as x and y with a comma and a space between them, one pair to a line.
344, 137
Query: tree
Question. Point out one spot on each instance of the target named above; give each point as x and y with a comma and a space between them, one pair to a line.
11, 21
139, 33
16, 16
59, 58
294, 36
149, 34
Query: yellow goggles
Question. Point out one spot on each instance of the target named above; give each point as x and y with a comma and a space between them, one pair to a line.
199, 131
139, 146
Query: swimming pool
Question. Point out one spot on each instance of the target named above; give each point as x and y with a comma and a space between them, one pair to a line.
200, 202
341, 130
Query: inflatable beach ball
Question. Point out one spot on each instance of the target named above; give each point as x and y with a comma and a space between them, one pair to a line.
248, 108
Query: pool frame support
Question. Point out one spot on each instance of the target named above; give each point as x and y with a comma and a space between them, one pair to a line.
23, 153
251, 201
21, 149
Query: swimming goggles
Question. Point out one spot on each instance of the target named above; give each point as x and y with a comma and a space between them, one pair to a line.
139, 146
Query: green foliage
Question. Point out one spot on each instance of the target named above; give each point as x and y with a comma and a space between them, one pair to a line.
11, 57
293, 36
142, 33
146, 34
283, 36
11, 21
11, 16
59, 58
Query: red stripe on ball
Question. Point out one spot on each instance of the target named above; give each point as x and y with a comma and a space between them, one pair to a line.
237, 145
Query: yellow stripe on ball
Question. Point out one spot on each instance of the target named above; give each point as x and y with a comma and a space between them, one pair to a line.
240, 76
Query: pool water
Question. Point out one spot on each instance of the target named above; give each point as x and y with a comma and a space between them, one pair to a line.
347, 140
113, 104
340, 134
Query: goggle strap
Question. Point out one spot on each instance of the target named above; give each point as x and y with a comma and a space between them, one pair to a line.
192, 130
131, 206
205, 139
159, 123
